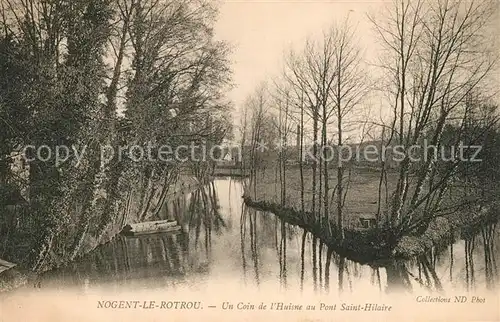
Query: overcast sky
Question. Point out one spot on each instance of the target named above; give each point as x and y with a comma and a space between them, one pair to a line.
262, 30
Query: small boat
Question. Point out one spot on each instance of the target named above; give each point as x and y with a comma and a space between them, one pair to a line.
150, 227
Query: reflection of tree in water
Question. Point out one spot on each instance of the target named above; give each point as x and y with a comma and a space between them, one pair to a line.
486, 239
244, 213
341, 268
478, 249
264, 230
314, 259
201, 217
327, 269
470, 244
258, 231
253, 244
478, 254
282, 254
248, 224
314, 265
128, 258
122, 260
302, 259
375, 278
490, 265
400, 277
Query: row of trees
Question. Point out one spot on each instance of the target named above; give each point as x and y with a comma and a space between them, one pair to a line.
91, 73
435, 78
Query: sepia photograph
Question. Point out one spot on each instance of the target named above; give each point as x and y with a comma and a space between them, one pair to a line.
249, 160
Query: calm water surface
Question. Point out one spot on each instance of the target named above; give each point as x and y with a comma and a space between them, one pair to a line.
222, 241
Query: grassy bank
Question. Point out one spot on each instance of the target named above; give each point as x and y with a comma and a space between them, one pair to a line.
361, 200
360, 246
373, 245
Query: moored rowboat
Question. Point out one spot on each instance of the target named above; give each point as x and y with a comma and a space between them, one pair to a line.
150, 227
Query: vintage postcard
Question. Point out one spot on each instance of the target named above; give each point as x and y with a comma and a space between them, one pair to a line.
249, 160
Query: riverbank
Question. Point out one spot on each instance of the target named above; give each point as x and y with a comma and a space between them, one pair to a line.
377, 246
20, 275
363, 245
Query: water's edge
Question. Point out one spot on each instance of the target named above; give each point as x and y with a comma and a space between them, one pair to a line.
369, 252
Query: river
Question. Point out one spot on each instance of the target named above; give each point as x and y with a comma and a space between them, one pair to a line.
223, 240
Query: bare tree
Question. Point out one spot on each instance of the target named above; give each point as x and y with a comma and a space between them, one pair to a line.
436, 53
311, 73
261, 135
350, 88
283, 102
328, 74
